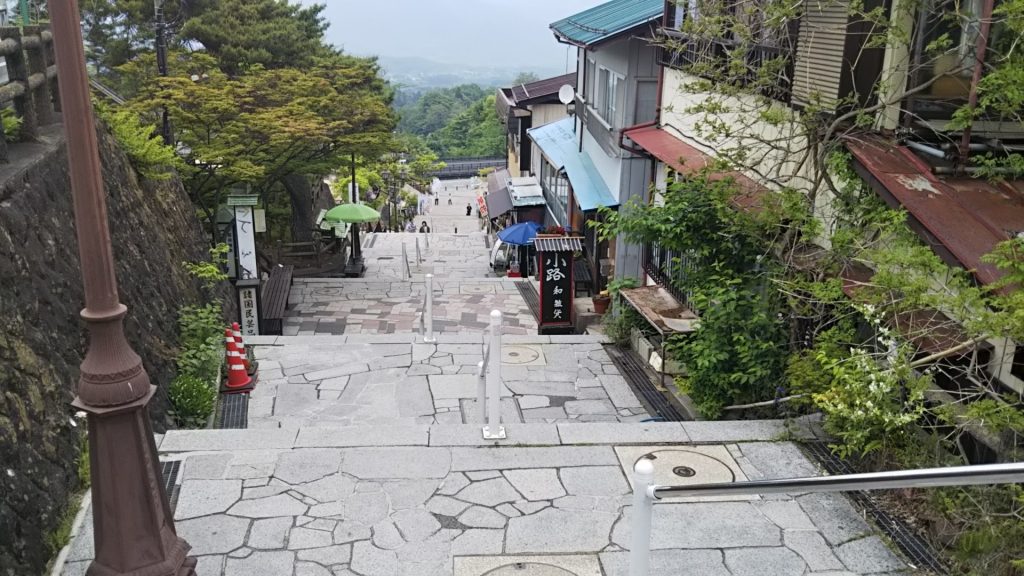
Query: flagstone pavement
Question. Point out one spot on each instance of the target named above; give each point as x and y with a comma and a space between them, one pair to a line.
336, 306
437, 502
349, 380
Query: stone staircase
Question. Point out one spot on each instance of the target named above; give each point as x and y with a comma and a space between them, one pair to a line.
364, 454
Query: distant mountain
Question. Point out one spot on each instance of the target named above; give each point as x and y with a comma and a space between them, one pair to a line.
421, 73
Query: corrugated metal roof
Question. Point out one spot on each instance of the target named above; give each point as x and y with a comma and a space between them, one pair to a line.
686, 159
964, 217
558, 244
558, 143
546, 89
525, 191
498, 201
599, 23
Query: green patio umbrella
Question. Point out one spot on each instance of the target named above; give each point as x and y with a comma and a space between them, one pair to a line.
352, 213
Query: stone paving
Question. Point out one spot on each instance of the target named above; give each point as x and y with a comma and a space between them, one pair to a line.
260, 505
365, 457
342, 381
338, 306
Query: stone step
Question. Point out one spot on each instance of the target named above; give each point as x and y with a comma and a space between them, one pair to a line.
535, 435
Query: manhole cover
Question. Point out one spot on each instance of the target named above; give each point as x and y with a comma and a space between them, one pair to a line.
520, 355
327, 292
686, 467
529, 569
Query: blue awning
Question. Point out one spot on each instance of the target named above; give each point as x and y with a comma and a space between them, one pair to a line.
558, 143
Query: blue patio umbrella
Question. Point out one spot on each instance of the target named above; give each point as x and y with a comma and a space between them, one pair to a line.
519, 234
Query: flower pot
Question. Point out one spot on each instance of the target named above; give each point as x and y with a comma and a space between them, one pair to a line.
601, 303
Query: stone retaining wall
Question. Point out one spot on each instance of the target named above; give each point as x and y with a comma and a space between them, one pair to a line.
42, 341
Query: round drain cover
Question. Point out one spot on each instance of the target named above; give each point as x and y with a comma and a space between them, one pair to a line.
686, 467
518, 355
529, 569
327, 292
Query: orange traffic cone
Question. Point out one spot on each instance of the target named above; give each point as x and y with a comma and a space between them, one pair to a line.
238, 379
236, 331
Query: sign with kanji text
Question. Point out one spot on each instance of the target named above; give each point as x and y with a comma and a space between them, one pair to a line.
555, 289
245, 241
249, 310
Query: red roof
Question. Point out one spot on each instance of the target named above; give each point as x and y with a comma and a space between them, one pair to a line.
960, 217
687, 160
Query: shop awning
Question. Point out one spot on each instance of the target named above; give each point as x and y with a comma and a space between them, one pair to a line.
961, 218
558, 143
686, 159
661, 309
497, 200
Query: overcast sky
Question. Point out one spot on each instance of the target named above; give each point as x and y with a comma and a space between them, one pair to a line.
511, 33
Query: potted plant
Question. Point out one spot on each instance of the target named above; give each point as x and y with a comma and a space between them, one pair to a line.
601, 302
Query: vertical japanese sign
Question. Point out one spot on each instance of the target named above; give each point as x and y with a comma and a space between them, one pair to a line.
249, 311
245, 240
555, 288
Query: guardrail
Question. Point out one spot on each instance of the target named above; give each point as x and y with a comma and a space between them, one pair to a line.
645, 492
32, 80
488, 389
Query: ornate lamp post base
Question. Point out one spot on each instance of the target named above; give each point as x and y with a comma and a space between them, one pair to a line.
131, 502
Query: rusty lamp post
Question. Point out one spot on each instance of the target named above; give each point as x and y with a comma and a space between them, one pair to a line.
133, 525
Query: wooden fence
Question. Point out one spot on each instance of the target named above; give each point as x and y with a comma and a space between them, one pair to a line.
32, 81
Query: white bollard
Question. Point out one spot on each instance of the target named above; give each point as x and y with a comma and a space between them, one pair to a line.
481, 391
428, 310
494, 430
426, 238
406, 273
643, 508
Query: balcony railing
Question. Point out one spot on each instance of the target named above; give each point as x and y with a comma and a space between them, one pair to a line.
708, 58
668, 269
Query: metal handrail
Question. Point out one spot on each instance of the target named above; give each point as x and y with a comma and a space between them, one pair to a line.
427, 314
923, 478
645, 492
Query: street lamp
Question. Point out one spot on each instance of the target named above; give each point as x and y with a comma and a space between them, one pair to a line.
132, 523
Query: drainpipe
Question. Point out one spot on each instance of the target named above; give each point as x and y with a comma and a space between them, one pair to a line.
586, 97
979, 61
622, 138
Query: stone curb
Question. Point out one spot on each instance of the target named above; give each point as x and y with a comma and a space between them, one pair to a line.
564, 434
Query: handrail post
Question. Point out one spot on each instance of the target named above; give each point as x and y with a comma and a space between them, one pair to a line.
419, 257
494, 430
643, 509
428, 309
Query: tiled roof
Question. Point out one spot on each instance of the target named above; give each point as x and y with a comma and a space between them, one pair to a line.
558, 244
600, 23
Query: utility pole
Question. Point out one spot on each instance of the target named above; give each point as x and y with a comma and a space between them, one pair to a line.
133, 527
161, 64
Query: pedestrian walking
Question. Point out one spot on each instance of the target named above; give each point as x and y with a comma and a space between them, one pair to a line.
436, 200
469, 209
424, 229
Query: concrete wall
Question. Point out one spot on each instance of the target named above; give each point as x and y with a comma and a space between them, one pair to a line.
154, 230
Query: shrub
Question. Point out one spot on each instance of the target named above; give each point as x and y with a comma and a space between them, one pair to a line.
153, 159
11, 123
193, 399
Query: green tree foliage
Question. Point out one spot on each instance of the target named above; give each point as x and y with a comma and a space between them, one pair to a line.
473, 132
265, 125
434, 109
268, 33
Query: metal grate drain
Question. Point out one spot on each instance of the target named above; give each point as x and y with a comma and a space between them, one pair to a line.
916, 549
629, 365
529, 293
232, 411
169, 472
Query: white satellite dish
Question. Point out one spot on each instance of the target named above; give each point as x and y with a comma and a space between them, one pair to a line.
566, 94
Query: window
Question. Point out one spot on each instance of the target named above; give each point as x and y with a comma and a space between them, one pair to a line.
610, 88
591, 71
